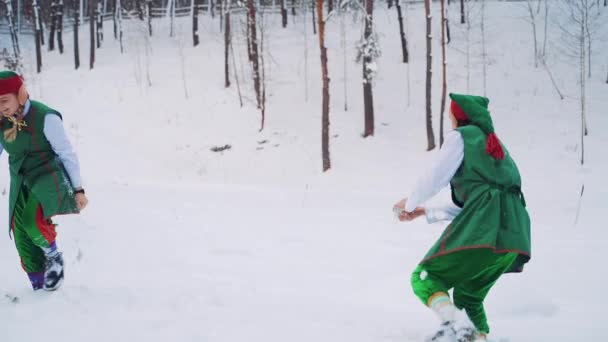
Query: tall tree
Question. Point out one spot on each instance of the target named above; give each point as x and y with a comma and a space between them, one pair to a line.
325, 80
12, 29
38, 35
283, 13
118, 16
368, 50
255, 59
99, 26
53, 18
404, 51
60, 9
227, 42
462, 11
149, 15
77, 7
444, 71
429, 75
194, 9
92, 9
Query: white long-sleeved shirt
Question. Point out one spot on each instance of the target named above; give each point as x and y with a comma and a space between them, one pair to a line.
449, 160
55, 134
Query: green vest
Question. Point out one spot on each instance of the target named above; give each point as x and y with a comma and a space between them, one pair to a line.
493, 212
34, 166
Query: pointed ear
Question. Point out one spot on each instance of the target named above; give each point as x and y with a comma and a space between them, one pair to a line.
22, 95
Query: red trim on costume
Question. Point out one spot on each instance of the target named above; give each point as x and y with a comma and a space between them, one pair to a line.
45, 227
458, 112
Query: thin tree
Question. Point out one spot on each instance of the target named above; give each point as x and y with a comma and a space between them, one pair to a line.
40, 23
255, 59
38, 35
305, 53
194, 9
443, 71
149, 16
92, 8
118, 16
532, 20
140, 10
293, 8
99, 26
330, 6
53, 25
367, 52
344, 59
115, 19
77, 7
429, 75
283, 13
12, 29
314, 24
462, 19
402, 37
60, 9
325, 80
227, 42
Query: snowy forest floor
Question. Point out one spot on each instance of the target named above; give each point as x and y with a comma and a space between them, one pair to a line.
255, 243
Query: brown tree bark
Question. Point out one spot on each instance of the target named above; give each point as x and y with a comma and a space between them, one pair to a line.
368, 98
406, 55
227, 39
53, 25
325, 80
255, 59
60, 8
429, 74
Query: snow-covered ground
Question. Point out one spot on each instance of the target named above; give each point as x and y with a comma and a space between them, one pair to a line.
256, 244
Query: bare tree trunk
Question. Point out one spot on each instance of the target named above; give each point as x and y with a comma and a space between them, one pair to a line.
546, 25
330, 6
533, 23
325, 79
194, 8
38, 35
462, 11
429, 74
368, 99
401, 33
60, 26
227, 42
172, 18
92, 7
115, 19
140, 10
544, 63
390, 3
283, 13
53, 25
344, 60
314, 24
236, 73
305, 53
255, 59
40, 25
76, 29
149, 14
444, 71
582, 81
293, 8
12, 29
99, 28
119, 22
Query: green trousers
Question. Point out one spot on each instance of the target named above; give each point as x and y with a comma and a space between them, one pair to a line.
471, 273
31, 232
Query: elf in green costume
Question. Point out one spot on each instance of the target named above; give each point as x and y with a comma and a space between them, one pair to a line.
490, 230
44, 179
